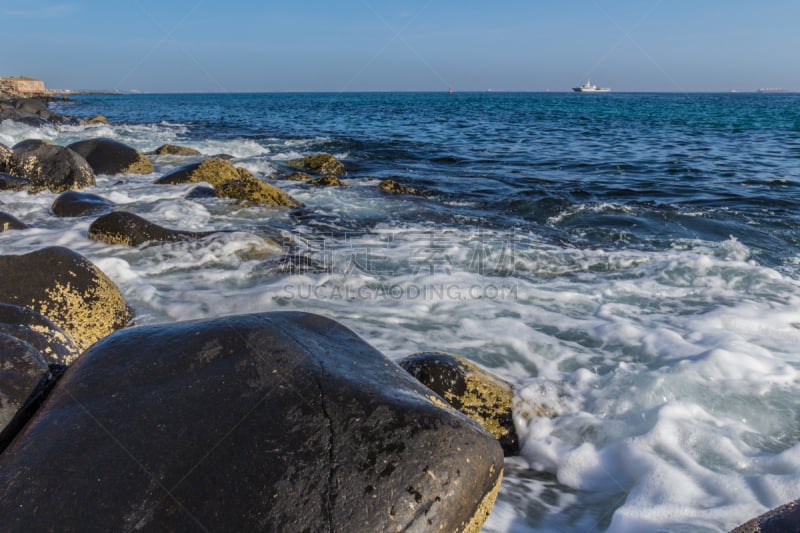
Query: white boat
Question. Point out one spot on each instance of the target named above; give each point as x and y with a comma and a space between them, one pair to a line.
589, 88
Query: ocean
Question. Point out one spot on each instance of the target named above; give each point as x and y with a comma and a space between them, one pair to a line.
629, 262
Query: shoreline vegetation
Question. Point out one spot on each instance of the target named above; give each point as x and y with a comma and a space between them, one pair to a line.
352, 455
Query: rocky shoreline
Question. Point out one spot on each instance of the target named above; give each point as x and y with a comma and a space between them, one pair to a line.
271, 421
274, 421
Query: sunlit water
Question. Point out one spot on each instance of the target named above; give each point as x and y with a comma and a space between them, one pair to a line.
627, 262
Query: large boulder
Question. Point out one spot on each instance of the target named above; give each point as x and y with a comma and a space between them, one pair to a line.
68, 289
23, 374
9, 222
48, 166
107, 156
783, 519
126, 228
78, 204
266, 422
472, 390
323, 164
55, 345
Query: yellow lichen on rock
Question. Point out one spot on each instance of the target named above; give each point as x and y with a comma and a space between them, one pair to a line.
215, 171
171, 149
319, 164
484, 508
99, 119
142, 165
255, 191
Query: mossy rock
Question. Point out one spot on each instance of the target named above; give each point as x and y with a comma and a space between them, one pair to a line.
298, 176
393, 187
254, 191
107, 156
477, 393
213, 171
99, 119
128, 229
68, 289
328, 181
9, 222
171, 149
324, 164
52, 167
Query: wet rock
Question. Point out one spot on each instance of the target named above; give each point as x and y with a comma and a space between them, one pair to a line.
107, 156
200, 192
328, 181
99, 119
393, 187
267, 422
78, 204
66, 288
23, 374
212, 171
48, 166
171, 149
9, 222
324, 164
55, 345
10, 183
290, 264
254, 191
30, 143
5, 155
298, 176
128, 229
475, 392
783, 519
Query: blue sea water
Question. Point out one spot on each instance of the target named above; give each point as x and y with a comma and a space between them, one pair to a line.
629, 262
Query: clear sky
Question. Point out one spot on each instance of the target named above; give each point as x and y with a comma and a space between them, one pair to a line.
369, 45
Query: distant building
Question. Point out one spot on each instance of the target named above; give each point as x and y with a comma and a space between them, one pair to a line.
22, 85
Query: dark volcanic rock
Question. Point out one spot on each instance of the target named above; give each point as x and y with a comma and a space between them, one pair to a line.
78, 204
126, 228
9, 222
66, 288
200, 192
475, 392
23, 373
107, 156
268, 422
10, 183
55, 345
30, 143
783, 519
52, 167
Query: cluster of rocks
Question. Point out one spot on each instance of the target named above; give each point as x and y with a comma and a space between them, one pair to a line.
277, 421
31, 111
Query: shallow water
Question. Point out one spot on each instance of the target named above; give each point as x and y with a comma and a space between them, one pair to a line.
629, 262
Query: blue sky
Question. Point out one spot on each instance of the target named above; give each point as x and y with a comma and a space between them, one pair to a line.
367, 45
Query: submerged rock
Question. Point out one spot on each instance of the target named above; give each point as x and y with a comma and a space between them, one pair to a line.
324, 164
298, 176
66, 288
472, 390
9, 222
266, 422
254, 191
47, 166
200, 192
783, 519
107, 156
99, 119
328, 181
393, 187
55, 345
171, 149
126, 228
78, 204
290, 264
